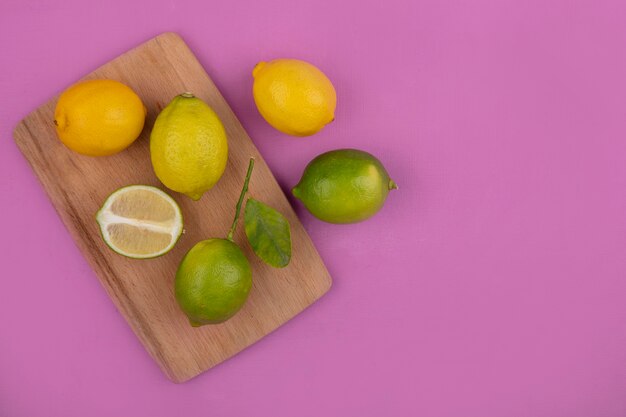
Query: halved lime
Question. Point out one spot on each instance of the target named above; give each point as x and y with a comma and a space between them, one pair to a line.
140, 221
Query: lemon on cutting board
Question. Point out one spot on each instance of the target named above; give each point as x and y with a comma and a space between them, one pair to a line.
99, 117
294, 96
140, 221
188, 146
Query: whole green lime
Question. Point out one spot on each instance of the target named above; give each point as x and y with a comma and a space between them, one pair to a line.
344, 186
213, 281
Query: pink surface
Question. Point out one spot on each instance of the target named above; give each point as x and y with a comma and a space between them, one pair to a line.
493, 283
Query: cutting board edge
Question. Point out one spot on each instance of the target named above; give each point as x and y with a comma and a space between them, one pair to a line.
180, 380
130, 319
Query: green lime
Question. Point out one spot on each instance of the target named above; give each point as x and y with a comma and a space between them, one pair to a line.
140, 221
344, 186
213, 281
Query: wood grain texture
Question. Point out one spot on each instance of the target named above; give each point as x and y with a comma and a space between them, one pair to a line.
142, 290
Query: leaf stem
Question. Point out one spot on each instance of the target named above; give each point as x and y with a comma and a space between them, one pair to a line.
244, 190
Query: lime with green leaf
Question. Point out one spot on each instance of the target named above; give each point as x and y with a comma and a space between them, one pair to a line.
214, 278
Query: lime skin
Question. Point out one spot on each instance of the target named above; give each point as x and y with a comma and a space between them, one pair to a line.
213, 281
344, 186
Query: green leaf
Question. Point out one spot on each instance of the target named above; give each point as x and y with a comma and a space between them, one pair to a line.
268, 233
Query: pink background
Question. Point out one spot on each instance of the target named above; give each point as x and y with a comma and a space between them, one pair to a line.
493, 283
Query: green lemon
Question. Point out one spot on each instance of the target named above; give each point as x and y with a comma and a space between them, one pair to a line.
213, 281
344, 186
188, 146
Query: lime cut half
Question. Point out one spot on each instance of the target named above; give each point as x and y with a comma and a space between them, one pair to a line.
140, 221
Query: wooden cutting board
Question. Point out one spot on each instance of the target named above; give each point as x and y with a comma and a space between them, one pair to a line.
142, 290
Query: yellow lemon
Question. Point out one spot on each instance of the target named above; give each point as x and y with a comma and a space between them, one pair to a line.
294, 96
99, 117
188, 146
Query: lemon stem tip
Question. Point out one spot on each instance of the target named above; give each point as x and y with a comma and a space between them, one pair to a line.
257, 68
187, 94
393, 185
244, 190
